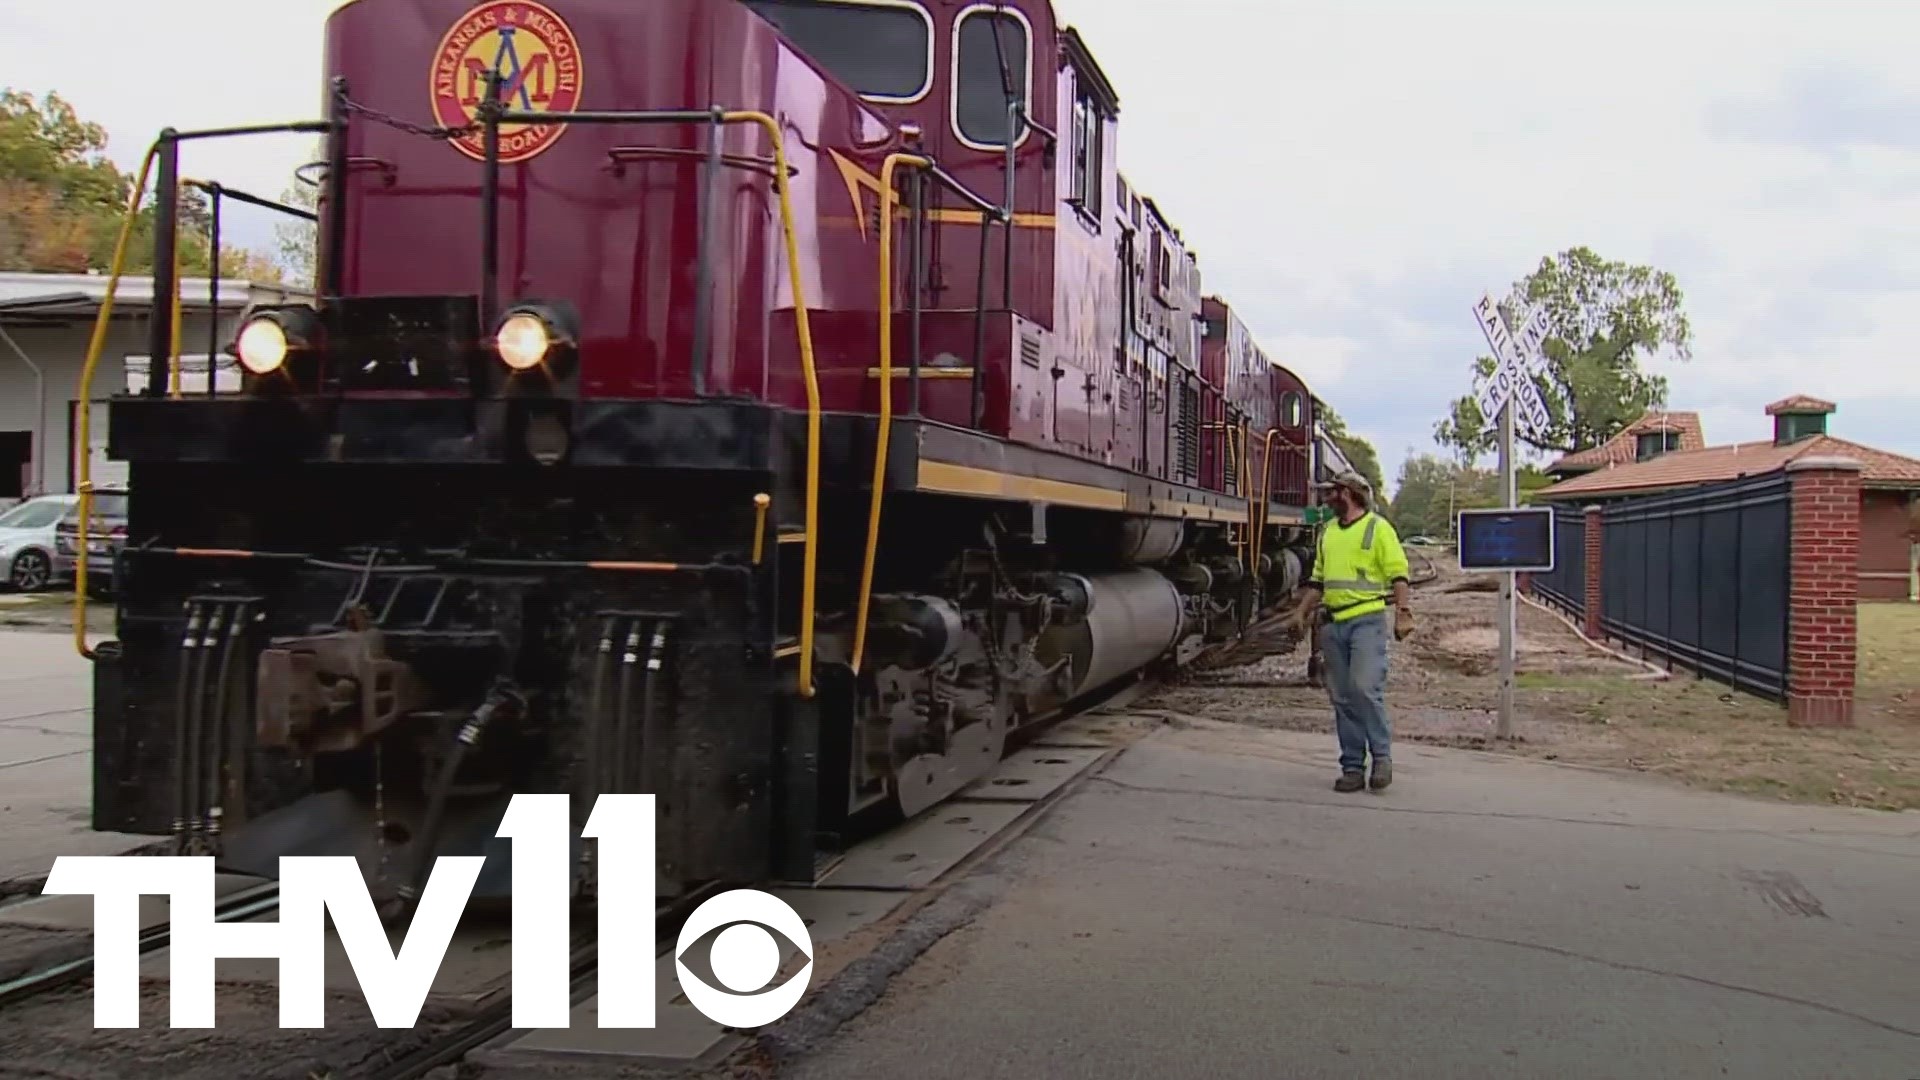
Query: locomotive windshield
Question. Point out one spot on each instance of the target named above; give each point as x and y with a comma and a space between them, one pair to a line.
881, 50
991, 66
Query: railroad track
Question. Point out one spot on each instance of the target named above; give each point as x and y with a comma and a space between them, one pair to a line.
247, 903
496, 1019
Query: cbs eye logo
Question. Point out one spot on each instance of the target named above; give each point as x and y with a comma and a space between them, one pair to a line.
743, 957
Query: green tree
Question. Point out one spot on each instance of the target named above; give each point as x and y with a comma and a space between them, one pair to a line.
1604, 317
1431, 490
1358, 450
63, 201
298, 240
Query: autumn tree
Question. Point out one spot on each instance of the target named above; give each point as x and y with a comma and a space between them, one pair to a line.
63, 201
1604, 317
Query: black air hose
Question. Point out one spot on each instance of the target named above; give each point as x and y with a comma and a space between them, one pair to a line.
651, 736
501, 696
222, 687
182, 732
592, 763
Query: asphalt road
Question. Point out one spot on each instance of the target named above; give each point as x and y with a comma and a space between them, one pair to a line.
1210, 908
46, 756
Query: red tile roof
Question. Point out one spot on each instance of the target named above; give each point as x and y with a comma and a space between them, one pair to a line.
1801, 403
1684, 468
1623, 448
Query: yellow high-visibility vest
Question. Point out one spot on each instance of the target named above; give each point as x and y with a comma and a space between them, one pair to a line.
1356, 565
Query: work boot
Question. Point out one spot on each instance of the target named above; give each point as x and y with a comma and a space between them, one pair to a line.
1350, 781
1382, 775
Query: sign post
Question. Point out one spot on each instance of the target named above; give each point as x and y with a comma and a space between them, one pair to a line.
1510, 394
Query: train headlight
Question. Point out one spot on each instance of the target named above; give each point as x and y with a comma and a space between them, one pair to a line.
536, 334
523, 340
268, 338
262, 346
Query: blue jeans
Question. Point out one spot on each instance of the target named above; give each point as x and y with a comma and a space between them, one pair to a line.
1356, 662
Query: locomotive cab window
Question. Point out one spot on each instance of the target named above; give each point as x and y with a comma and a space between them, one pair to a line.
1088, 123
883, 49
991, 50
1292, 410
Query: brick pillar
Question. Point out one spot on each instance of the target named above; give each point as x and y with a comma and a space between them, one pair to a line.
1825, 556
1594, 537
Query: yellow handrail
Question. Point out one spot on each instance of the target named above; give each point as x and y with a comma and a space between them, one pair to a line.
1236, 441
886, 394
1266, 495
810, 553
85, 433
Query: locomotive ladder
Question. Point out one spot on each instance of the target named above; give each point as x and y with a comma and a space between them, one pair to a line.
1004, 216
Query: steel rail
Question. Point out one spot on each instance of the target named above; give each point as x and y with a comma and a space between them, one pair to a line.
245, 904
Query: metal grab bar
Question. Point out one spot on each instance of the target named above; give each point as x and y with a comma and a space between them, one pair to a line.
216, 192
94, 348
1265, 494
810, 551
885, 431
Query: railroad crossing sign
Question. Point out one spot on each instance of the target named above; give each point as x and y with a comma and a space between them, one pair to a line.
1517, 357
1510, 397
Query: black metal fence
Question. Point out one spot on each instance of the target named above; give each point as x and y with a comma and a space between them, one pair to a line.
1701, 578
1566, 586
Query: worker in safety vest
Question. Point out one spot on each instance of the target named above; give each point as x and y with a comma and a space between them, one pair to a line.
1358, 566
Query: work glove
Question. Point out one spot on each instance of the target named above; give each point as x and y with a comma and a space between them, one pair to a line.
1402, 624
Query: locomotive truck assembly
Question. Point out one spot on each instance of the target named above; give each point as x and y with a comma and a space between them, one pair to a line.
774, 405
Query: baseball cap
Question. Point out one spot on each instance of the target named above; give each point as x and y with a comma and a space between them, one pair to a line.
1348, 479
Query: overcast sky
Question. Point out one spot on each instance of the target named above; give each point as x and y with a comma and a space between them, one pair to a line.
1354, 175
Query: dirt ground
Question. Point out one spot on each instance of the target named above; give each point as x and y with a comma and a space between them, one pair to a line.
1575, 704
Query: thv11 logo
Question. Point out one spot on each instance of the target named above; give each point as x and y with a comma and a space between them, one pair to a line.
744, 955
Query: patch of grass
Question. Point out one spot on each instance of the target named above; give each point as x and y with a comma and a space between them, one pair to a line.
1702, 734
1889, 644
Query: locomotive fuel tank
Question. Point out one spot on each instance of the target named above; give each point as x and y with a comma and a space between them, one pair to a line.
1132, 618
1286, 574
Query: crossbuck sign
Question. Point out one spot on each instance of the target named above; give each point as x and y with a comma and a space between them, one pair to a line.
1517, 357
744, 957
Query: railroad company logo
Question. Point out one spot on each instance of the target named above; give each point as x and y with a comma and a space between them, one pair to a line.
537, 59
743, 956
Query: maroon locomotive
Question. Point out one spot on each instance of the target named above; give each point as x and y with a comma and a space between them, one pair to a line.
702, 397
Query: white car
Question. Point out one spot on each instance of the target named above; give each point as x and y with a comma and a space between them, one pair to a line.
27, 541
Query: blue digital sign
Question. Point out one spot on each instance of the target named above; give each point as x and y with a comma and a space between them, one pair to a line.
1519, 539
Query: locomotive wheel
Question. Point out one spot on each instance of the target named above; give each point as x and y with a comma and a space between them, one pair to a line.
925, 780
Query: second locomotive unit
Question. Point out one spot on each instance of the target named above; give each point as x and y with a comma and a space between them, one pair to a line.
773, 405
